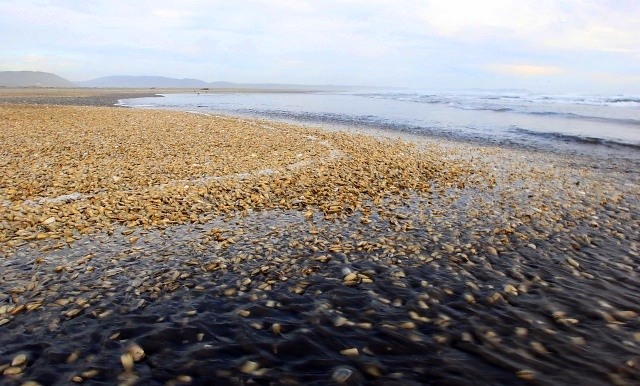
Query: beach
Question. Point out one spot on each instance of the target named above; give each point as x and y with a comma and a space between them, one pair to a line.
166, 247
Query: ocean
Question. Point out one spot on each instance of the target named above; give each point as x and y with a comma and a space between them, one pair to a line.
596, 125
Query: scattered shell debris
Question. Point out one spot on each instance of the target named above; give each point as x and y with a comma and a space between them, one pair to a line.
161, 247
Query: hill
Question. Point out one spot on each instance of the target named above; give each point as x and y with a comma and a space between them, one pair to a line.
32, 79
128, 81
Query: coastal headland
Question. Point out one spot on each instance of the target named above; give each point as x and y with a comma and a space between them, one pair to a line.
165, 247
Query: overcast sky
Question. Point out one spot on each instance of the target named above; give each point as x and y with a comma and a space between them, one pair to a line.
541, 45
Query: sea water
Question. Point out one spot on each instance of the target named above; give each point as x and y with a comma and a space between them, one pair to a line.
597, 125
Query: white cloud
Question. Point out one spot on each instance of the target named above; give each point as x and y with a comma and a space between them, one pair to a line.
404, 42
572, 24
526, 69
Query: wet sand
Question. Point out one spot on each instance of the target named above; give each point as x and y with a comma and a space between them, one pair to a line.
157, 247
73, 97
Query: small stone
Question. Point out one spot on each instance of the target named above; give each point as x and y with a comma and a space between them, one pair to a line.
351, 277
578, 340
440, 339
510, 289
249, 367
408, 325
492, 250
340, 321
49, 221
73, 357
12, 371
184, 379
341, 375
72, 313
136, 352
627, 314
127, 362
538, 347
617, 380
349, 352
572, 262
373, 370
19, 360
527, 375
89, 373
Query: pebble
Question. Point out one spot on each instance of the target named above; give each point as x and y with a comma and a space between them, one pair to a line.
572, 262
349, 352
492, 250
249, 367
511, 290
539, 348
527, 375
627, 314
351, 277
12, 371
342, 374
578, 340
135, 352
19, 360
184, 379
127, 362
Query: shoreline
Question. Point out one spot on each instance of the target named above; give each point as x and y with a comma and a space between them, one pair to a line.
603, 150
392, 264
105, 97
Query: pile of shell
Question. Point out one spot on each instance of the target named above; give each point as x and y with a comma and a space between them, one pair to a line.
69, 170
128, 232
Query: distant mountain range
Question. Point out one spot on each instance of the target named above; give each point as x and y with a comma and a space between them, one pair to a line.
125, 81
143, 82
32, 79
45, 79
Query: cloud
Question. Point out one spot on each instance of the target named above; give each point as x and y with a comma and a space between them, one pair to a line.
526, 69
404, 42
173, 17
605, 25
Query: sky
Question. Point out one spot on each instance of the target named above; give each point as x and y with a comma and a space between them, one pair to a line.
585, 46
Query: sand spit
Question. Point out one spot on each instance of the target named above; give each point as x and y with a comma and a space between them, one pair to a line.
158, 247
105, 96
75, 97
